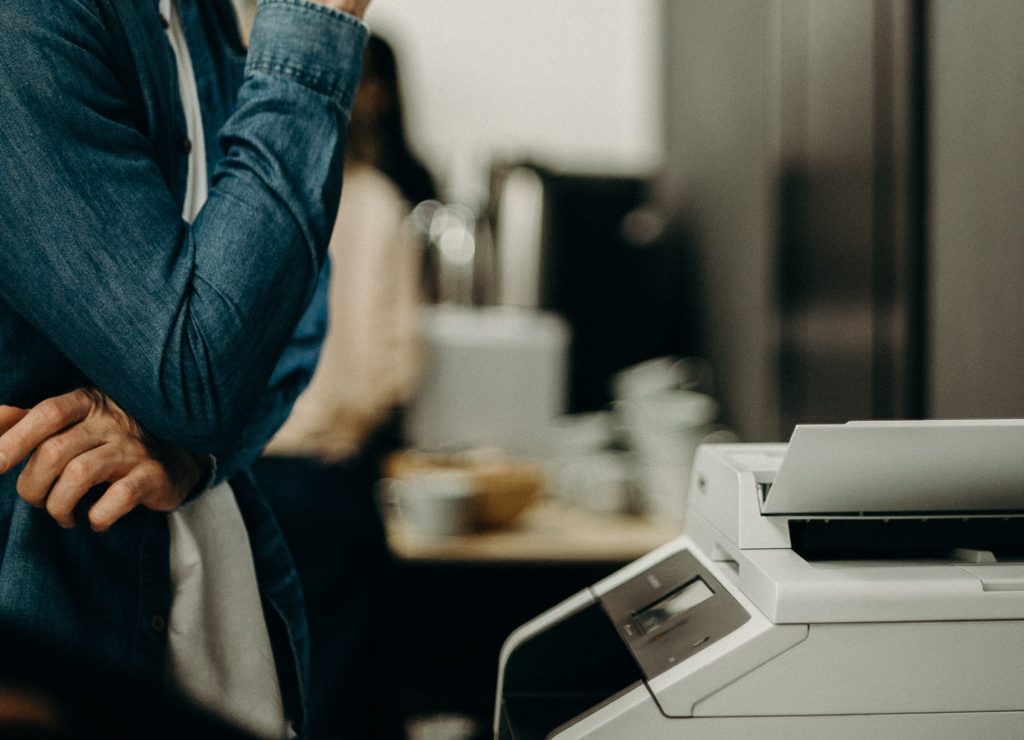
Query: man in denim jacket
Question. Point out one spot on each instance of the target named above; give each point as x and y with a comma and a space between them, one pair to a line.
183, 335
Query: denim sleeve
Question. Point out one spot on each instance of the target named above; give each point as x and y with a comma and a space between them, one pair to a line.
290, 377
182, 325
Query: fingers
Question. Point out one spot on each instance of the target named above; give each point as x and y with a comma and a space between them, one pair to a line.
146, 483
50, 459
40, 422
353, 7
135, 483
89, 469
83, 439
9, 416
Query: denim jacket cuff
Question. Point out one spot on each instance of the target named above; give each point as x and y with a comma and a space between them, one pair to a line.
311, 44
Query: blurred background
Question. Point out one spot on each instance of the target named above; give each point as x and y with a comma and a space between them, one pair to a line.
833, 187
662, 222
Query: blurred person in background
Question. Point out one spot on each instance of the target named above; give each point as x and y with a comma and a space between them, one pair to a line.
321, 469
165, 208
381, 140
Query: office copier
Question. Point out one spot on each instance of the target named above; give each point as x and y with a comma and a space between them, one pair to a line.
864, 581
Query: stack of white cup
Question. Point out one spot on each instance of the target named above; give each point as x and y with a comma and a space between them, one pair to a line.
662, 420
583, 469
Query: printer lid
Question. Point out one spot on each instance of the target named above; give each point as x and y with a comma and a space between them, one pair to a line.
901, 467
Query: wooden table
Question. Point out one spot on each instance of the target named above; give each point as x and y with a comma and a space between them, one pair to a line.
550, 531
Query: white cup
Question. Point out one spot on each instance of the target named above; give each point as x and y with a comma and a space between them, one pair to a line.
436, 503
599, 482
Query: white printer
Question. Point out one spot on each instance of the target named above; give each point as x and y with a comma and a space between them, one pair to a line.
864, 581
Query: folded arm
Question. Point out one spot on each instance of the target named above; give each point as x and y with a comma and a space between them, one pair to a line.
180, 324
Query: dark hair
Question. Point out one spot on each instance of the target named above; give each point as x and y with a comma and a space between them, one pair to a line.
393, 156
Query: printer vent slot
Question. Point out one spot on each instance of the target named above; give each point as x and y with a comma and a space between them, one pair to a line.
906, 538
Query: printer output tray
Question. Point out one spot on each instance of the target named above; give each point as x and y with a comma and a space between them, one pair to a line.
901, 468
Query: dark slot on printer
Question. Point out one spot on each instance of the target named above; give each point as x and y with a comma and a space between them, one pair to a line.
930, 538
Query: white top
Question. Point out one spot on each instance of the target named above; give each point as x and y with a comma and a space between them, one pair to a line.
369, 357
220, 651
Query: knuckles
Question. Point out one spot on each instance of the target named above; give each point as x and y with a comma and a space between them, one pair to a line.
130, 491
79, 471
51, 452
53, 412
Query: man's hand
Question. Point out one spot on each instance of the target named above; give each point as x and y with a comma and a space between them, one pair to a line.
352, 7
83, 439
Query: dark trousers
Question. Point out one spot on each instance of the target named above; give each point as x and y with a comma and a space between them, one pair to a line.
332, 523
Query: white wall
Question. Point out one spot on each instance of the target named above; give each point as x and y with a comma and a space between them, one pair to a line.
571, 83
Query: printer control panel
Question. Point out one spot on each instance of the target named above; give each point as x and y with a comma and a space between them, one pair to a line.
671, 612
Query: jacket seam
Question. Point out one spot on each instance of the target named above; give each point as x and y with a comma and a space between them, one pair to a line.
315, 78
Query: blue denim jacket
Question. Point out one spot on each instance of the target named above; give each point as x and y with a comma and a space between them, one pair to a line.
191, 329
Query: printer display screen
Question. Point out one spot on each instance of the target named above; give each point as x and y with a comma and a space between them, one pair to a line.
672, 611
684, 598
